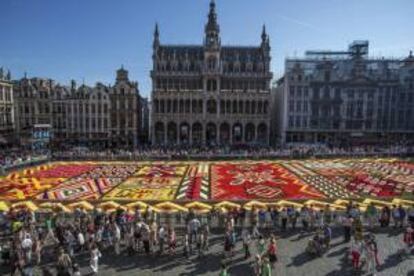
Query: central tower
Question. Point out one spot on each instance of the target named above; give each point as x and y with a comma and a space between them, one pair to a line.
210, 94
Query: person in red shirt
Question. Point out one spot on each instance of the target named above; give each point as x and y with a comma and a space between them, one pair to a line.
272, 250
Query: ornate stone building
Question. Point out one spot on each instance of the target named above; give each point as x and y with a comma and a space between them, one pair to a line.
346, 97
6, 109
103, 115
87, 115
125, 110
210, 94
33, 105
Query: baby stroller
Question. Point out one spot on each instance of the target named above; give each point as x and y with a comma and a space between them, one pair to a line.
314, 247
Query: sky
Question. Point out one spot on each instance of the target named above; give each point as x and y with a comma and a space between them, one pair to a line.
87, 40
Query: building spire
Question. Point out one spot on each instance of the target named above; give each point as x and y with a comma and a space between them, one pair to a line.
212, 29
212, 18
265, 41
264, 34
156, 42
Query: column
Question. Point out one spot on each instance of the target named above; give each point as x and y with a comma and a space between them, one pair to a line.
165, 134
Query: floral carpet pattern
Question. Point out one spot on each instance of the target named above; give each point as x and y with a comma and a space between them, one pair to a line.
204, 180
258, 180
150, 182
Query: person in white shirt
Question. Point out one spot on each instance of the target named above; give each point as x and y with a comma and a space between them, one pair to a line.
161, 238
117, 238
81, 240
27, 245
95, 255
194, 227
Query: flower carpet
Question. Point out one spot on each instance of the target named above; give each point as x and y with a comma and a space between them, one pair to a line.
216, 181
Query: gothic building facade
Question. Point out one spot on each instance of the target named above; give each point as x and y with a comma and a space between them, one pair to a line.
210, 94
346, 97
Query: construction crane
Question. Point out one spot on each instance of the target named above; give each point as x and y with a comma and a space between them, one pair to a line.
356, 49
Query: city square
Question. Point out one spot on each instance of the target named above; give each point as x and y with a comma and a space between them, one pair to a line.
206, 137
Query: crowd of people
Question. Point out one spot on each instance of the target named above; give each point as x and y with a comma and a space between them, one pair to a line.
16, 157
32, 240
176, 152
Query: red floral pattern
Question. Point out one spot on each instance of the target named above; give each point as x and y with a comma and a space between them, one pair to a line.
257, 181
64, 171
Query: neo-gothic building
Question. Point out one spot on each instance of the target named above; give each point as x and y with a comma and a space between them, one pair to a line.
101, 115
345, 97
6, 109
210, 94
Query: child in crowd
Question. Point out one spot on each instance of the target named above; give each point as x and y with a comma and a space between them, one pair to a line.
355, 252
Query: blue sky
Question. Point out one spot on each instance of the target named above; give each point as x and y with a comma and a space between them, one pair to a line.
89, 39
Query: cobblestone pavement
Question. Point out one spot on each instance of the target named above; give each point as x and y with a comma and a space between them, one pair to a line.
293, 261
